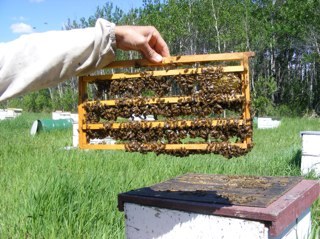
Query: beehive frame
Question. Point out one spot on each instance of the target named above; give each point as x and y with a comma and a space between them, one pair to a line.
237, 63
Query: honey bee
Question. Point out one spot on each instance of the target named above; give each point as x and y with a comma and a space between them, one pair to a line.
205, 91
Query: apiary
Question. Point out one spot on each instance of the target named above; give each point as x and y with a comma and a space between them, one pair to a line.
221, 206
198, 104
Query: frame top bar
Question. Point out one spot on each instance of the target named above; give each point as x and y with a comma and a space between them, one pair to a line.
237, 56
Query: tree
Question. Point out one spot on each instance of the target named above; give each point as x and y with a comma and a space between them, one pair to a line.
285, 34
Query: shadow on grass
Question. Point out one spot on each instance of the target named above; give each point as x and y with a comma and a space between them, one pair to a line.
296, 160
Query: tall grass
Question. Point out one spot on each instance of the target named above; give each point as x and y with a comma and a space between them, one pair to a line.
49, 192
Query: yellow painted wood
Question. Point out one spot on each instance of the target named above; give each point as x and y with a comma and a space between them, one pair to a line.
171, 66
156, 73
167, 146
237, 56
177, 99
81, 112
161, 124
246, 92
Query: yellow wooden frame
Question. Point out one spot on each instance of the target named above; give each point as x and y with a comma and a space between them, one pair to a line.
172, 67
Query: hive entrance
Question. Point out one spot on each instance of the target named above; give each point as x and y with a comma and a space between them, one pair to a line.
198, 104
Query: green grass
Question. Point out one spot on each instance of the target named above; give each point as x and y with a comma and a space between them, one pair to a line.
49, 192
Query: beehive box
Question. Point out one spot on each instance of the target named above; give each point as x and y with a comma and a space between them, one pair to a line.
10, 113
200, 104
221, 206
310, 158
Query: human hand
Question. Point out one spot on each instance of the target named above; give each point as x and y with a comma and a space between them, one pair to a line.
145, 39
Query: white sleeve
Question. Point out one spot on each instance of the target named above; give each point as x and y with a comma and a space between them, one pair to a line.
42, 60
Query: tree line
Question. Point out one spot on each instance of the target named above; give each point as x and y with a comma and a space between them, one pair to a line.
284, 34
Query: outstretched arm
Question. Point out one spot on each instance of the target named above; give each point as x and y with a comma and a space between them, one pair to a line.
42, 60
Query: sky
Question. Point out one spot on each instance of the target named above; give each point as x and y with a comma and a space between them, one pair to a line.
19, 17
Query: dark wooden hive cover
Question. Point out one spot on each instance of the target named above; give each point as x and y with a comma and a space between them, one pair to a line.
252, 191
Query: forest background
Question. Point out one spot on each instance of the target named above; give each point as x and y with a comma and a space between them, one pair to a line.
284, 34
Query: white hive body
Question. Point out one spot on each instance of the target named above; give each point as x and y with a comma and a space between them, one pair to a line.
310, 159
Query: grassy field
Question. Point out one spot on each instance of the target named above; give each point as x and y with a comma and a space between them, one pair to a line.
49, 192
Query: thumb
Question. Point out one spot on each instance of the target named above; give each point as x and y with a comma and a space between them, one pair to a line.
151, 54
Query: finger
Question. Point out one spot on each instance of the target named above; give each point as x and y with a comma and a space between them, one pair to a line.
160, 46
151, 54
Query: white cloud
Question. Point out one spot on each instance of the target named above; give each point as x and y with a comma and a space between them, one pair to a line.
21, 28
36, 1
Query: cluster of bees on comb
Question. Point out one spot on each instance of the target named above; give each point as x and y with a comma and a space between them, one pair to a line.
186, 108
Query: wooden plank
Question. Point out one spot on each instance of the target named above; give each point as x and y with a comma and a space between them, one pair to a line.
163, 100
169, 72
246, 92
155, 124
238, 56
170, 68
167, 146
82, 92
250, 191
